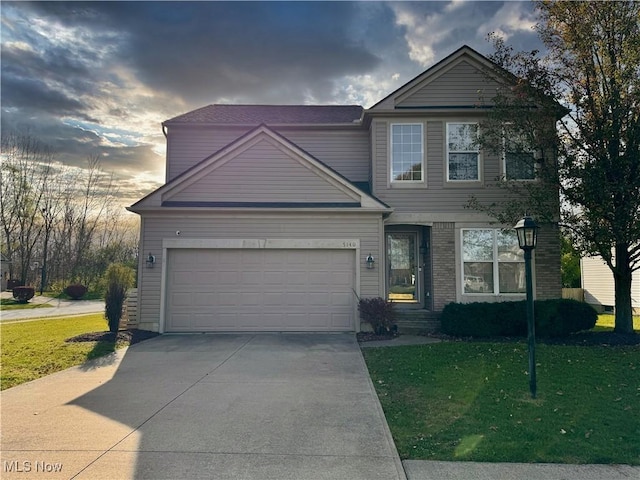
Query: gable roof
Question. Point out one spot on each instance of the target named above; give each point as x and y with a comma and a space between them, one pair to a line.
221, 114
433, 72
340, 192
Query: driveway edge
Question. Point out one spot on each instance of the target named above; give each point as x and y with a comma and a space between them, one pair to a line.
387, 432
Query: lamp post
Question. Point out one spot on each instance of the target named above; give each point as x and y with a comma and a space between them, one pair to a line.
527, 231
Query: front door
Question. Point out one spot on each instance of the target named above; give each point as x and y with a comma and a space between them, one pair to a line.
403, 269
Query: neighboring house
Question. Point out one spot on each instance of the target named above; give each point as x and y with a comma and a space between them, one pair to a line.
598, 285
271, 215
4, 271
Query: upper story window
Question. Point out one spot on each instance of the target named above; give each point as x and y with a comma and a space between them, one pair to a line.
518, 159
407, 152
492, 262
463, 153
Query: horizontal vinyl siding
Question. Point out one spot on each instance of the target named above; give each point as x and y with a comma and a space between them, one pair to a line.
366, 228
439, 196
462, 85
598, 283
346, 150
187, 146
262, 173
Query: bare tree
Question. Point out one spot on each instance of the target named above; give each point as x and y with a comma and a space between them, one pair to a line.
26, 170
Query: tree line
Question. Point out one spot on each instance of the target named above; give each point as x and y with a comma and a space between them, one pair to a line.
60, 224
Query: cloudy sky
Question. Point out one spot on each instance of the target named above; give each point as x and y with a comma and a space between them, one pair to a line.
98, 78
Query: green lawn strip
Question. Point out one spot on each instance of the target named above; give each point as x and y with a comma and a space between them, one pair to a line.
37, 348
11, 304
607, 321
470, 401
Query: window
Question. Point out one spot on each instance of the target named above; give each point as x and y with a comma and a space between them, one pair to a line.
463, 154
406, 152
492, 262
519, 160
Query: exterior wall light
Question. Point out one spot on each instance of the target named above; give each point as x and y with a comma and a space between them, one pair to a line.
370, 261
527, 231
150, 261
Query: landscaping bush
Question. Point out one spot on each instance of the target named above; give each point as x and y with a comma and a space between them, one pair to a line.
23, 294
76, 291
483, 319
118, 278
379, 313
554, 318
561, 317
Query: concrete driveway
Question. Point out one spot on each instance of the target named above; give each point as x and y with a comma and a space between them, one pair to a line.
204, 406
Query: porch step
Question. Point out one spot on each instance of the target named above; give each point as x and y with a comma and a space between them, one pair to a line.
416, 322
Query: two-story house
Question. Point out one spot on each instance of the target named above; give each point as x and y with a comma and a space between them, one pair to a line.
279, 217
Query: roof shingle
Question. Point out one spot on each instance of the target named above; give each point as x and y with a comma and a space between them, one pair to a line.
271, 115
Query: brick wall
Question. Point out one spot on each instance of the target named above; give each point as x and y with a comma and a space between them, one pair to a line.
443, 255
547, 263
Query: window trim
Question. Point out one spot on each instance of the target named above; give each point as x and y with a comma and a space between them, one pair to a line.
477, 151
423, 173
495, 266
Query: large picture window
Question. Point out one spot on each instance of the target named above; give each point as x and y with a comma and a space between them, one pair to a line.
492, 262
463, 154
406, 152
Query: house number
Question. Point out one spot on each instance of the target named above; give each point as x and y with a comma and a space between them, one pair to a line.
349, 245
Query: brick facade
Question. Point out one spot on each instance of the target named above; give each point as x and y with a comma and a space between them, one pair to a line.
443, 246
548, 277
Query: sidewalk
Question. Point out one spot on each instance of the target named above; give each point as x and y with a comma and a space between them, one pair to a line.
58, 307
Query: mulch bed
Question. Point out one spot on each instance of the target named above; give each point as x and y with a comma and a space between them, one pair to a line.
374, 337
129, 336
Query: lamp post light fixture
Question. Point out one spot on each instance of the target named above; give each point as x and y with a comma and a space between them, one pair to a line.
527, 231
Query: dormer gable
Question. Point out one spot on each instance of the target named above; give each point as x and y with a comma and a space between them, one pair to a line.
463, 80
261, 169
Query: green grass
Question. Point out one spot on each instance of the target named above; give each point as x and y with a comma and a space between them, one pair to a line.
11, 304
470, 401
606, 322
33, 349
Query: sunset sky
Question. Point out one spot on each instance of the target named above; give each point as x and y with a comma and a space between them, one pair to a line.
98, 78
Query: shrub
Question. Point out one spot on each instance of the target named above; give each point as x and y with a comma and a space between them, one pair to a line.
561, 317
23, 294
379, 313
118, 279
483, 319
76, 291
554, 318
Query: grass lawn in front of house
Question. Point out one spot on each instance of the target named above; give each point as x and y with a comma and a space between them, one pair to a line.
606, 322
470, 401
33, 349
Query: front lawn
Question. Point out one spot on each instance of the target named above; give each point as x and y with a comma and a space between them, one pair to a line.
33, 349
470, 401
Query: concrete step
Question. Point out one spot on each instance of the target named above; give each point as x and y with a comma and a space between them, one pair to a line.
415, 322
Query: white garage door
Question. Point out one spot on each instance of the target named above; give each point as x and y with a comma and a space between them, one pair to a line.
229, 290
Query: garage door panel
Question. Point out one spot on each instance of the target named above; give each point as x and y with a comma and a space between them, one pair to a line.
343, 299
260, 290
340, 321
319, 299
